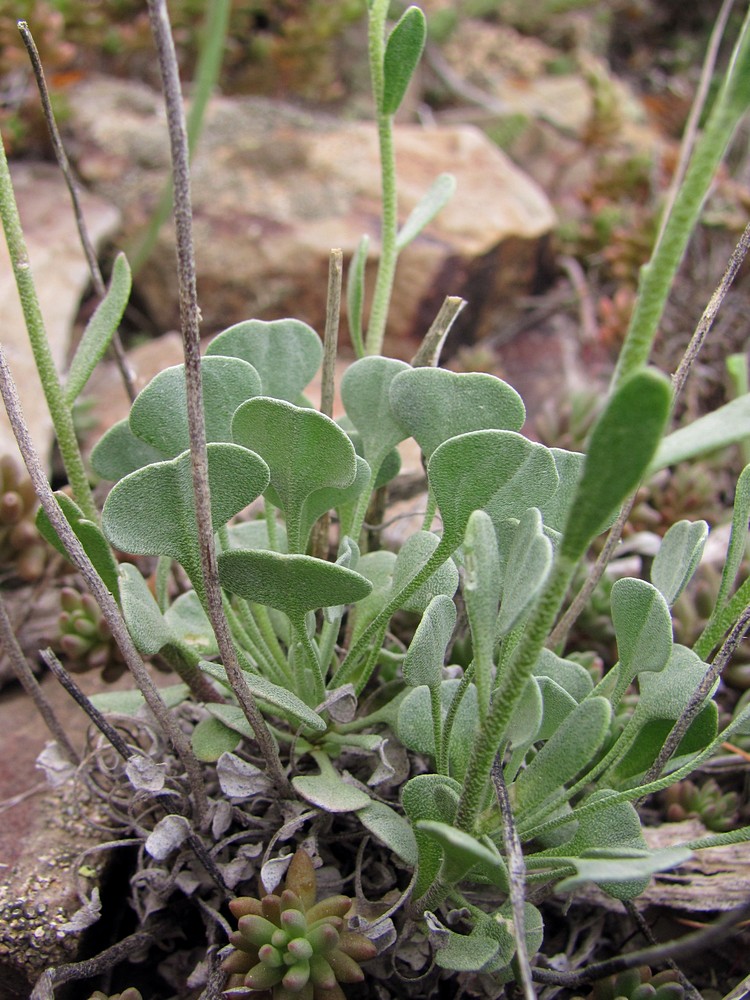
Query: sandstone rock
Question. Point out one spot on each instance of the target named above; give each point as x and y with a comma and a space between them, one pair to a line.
275, 189
61, 276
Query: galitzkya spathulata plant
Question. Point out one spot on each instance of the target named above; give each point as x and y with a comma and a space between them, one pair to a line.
522, 746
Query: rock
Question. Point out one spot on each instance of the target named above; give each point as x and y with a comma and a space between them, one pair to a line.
61, 276
274, 189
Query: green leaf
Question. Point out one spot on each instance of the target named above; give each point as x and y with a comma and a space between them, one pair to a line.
738, 538
365, 389
466, 952
274, 698
569, 465
88, 534
159, 414
432, 797
355, 294
665, 695
643, 627
99, 330
412, 556
530, 559
131, 702
294, 584
190, 625
498, 471
624, 866
678, 557
211, 738
434, 404
613, 826
571, 676
146, 624
424, 659
416, 731
557, 704
622, 444
377, 567
305, 452
573, 747
403, 51
152, 511
482, 581
461, 851
286, 353
329, 791
391, 829
727, 425
523, 728
119, 452
333, 498
440, 193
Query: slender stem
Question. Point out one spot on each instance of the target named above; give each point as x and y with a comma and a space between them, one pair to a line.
509, 692
560, 632
104, 598
711, 311
428, 354
389, 228
657, 276
62, 675
716, 628
698, 696
331, 335
64, 164
60, 413
321, 530
696, 111
10, 645
389, 213
516, 876
189, 320
692, 944
206, 75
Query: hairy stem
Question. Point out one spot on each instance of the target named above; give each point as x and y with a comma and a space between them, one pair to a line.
104, 598
189, 320
60, 413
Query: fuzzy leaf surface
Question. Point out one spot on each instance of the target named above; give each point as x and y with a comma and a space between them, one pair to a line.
530, 557
426, 654
88, 534
412, 556
391, 829
643, 626
440, 193
100, 329
286, 353
294, 584
159, 414
305, 452
498, 471
621, 447
678, 557
727, 425
435, 404
365, 393
738, 538
403, 51
152, 511
431, 797
119, 452
573, 746
625, 866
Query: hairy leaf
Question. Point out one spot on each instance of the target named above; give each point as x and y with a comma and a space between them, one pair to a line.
678, 557
434, 404
402, 54
286, 353
622, 444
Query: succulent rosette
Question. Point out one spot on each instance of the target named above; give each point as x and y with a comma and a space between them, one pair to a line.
288, 947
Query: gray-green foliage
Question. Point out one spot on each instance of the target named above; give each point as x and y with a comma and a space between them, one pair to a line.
311, 633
